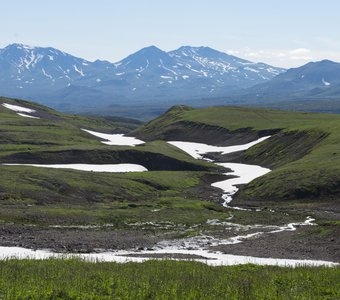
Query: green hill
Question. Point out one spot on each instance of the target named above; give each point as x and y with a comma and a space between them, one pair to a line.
303, 150
69, 210
42, 197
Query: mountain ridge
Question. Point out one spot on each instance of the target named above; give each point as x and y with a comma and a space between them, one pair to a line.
311, 79
149, 81
149, 74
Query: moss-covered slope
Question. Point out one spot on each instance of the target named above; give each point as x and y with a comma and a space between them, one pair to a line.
55, 196
304, 150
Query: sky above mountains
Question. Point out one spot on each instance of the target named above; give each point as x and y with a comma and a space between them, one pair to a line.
282, 33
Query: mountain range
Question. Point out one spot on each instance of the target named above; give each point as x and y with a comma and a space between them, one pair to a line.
53, 77
152, 80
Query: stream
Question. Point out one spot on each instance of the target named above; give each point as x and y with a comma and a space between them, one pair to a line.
195, 248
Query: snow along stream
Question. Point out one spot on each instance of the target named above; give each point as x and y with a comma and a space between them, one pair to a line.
196, 247
245, 173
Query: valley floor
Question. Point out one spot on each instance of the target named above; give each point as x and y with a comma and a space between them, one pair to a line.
181, 204
306, 243
254, 231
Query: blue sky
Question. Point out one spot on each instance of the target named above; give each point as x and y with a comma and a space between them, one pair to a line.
283, 33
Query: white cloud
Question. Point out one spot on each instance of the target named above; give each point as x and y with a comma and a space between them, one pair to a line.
301, 58
256, 54
285, 57
233, 52
280, 54
300, 54
300, 51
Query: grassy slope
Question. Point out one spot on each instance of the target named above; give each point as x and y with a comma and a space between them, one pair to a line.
74, 279
49, 196
54, 129
313, 174
66, 197
58, 132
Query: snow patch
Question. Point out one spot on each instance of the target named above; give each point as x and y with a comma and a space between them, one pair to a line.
245, 174
116, 139
114, 168
251, 70
197, 149
27, 116
17, 108
47, 75
325, 82
213, 259
79, 71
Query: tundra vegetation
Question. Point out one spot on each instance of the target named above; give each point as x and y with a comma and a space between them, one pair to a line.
173, 199
75, 279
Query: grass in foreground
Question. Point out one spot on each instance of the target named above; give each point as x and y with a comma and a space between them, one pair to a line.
75, 279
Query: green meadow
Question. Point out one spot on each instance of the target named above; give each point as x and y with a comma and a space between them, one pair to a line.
75, 279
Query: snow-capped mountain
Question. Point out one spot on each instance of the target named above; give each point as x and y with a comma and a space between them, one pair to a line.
53, 77
203, 66
314, 79
24, 65
211, 63
26, 69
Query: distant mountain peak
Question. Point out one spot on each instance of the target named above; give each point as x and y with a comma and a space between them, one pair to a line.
203, 54
313, 79
197, 49
151, 48
19, 46
150, 73
149, 51
326, 61
148, 57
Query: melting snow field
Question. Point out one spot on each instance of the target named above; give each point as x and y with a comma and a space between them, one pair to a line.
18, 108
117, 168
197, 149
116, 139
27, 116
245, 173
21, 111
195, 246
213, 259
